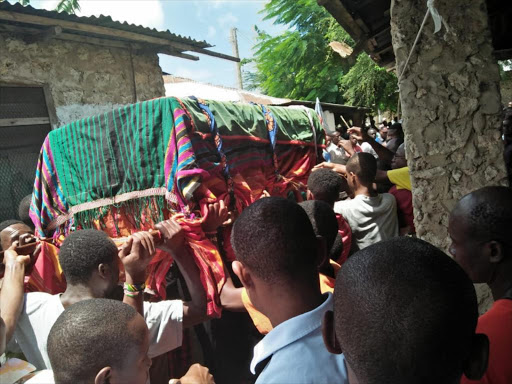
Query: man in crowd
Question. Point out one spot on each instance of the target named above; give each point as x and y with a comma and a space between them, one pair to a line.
404, 313
395, 137
479, 227
337, 154
277, 261
326, 185
11, 231
90, 263
371, 216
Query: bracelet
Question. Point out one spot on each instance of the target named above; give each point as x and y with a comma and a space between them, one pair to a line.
134, 288
131, 294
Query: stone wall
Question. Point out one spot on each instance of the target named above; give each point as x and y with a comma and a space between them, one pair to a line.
83, 79
451, 109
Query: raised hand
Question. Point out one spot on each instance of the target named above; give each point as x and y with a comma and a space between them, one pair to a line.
136, 254
359, 133
173, 236
216, 216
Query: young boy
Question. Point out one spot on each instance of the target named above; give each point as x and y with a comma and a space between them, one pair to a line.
371, 216
479, 227
277, 262
404, 313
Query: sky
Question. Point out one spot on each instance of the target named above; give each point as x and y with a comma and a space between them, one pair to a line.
209, 20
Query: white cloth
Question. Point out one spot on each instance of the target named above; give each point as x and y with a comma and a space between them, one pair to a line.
298, 352
367, 147
338, 155
372, 219
41, 310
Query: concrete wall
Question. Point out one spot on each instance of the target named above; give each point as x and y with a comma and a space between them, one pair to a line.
83, 79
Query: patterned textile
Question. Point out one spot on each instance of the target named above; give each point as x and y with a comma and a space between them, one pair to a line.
46, 275
125, 170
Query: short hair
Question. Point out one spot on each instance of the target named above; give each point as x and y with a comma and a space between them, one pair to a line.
275, 239
325, 185
364, 166
24, 209
323, 219
488, 213
404, 313
8, 223
81, 253
88, 336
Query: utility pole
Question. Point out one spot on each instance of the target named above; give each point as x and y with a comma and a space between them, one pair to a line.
234, 44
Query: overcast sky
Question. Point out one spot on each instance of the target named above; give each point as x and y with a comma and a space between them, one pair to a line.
209, 20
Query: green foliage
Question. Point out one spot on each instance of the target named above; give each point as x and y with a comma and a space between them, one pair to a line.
299, 64
69, 6
367, 84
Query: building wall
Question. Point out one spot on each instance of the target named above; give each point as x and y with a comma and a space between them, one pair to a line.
83, 79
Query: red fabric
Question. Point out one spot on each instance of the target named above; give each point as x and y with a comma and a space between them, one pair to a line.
497, 325
346, 236
47, 274
404, 207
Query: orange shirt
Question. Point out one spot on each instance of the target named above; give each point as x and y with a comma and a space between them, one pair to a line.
262, 323
497, 325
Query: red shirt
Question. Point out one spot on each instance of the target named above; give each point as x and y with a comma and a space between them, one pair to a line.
346, 238
497, 325
403, 199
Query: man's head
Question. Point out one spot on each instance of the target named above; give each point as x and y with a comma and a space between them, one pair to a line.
11, 230
323, 219
275, 247
90, 257
399, 160
372, 133
404, 312
335, 138
395, 131
99, 341
479, 227
325, 185
361, 170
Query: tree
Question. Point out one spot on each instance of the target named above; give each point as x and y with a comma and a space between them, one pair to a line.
299, 64
69, 6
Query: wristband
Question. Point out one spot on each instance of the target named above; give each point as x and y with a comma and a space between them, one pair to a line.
134, 288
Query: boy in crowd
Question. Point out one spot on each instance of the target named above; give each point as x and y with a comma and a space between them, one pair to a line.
326, 185
90, 263
479, 227
277, 261
371, 216
417, 324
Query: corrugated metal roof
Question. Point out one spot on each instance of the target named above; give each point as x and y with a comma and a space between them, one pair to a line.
102, 21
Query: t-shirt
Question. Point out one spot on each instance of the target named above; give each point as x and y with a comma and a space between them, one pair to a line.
372, 219
367, 148
337, 154
404, 207
497, 325
41, 310
401, 178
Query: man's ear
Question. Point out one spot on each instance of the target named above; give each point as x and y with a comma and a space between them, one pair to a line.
328, 333
495, 251
105, 271
103, 376
322, 256
476, 365
243, 274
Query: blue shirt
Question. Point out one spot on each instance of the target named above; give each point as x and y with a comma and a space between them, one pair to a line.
298, 352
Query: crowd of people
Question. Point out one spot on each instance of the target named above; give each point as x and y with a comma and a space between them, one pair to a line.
338, 286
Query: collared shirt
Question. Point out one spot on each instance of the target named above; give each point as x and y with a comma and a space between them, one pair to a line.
298, 352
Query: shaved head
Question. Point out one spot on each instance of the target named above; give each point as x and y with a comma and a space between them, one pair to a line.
364, 166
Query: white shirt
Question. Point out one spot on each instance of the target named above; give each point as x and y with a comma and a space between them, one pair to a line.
41, 310
372, 219
298, 352
367, 147
338, 155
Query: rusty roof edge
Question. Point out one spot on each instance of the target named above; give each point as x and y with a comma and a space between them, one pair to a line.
104, 21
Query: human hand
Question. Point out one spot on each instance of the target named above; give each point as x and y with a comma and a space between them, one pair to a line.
323, 165
215, 217
173, 236
136, 254
11, 257
197, 374
347, 146
359, 133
